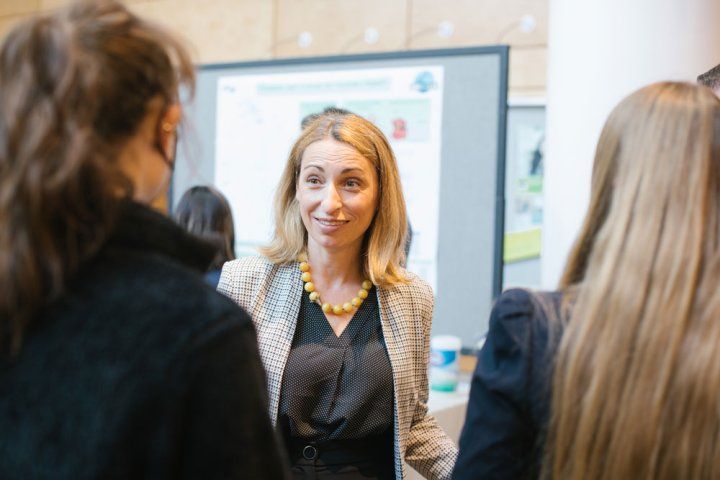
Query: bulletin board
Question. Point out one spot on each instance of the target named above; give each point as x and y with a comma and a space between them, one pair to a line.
444, 114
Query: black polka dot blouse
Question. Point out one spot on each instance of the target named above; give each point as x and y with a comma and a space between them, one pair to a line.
337, 388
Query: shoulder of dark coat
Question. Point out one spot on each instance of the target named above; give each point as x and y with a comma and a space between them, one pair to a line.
156, 286
520, 314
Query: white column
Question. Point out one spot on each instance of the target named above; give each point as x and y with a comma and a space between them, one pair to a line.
600, 51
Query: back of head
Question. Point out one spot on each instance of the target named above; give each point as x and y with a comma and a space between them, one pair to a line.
711, 79
308, 119
205, 212
638, 368
74, 86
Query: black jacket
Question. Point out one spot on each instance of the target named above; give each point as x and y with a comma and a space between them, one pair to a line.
504, 433
140, 370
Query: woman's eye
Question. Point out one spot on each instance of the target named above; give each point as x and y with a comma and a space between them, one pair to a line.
313, 180
352, 183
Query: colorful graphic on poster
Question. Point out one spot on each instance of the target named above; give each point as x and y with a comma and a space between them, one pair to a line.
523, 228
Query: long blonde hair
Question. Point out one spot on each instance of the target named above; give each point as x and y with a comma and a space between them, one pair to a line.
383, 248
601, 189
636, 387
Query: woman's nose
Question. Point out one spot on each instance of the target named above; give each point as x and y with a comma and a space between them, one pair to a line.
331, 200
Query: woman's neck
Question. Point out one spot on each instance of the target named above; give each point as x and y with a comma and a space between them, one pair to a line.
335, 267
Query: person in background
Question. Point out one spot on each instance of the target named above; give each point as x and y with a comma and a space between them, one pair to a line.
205, 212
308, 119
711, 79
116, 360
343, 329
616, 374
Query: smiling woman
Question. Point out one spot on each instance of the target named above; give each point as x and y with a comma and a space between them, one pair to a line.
384, 239
343, 328
337, 194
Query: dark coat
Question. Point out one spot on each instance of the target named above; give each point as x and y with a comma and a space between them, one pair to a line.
504, 432
140, 370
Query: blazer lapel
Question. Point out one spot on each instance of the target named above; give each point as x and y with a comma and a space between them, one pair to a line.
278, 305
397, 340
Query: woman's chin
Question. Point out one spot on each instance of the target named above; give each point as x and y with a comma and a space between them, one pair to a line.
328, 242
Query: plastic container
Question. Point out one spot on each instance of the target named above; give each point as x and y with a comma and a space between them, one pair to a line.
444, 366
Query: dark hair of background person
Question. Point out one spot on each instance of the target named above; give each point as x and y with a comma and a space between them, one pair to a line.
205, 212
64, 114
711, 78
308, 119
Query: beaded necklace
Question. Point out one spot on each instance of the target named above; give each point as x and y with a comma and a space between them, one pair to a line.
337, 309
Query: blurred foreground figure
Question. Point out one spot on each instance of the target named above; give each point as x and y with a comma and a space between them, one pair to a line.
117, 361
616, 375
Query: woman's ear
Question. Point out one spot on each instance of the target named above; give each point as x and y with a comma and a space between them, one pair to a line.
168, 130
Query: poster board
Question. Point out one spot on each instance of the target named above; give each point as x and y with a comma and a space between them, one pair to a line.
444, 113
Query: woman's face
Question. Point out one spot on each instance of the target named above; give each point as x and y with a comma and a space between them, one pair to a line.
337, 189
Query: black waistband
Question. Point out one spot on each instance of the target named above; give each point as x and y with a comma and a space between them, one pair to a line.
340, 451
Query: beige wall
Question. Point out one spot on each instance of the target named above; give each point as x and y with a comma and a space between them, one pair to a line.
237, 30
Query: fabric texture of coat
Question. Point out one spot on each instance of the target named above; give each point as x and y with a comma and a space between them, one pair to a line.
139, 370
509, 406
272, 294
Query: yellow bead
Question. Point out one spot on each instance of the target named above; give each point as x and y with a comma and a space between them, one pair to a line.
304, 267
347, 307
302, 257
314, 296
363, 294
366, 285
326, 307
356, 302
309, 287
337, 309
306, 277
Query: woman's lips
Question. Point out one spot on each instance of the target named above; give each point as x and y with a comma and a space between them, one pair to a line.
329, 224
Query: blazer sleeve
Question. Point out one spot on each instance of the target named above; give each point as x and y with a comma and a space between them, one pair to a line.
227, 431
232, 282
429, 450
500, 437
241, 280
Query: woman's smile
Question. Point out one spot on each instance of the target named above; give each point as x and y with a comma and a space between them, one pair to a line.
337, 194
329, 225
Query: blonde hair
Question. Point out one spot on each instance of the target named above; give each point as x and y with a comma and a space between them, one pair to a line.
601, 189
383, 248
637, 375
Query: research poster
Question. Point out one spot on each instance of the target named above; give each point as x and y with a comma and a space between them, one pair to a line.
524, 188
258, 119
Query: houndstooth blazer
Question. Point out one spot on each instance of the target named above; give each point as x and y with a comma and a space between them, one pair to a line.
272, 294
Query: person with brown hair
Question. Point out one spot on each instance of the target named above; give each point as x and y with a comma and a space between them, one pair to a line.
616, 375
116, 360
205, 212
343, 328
